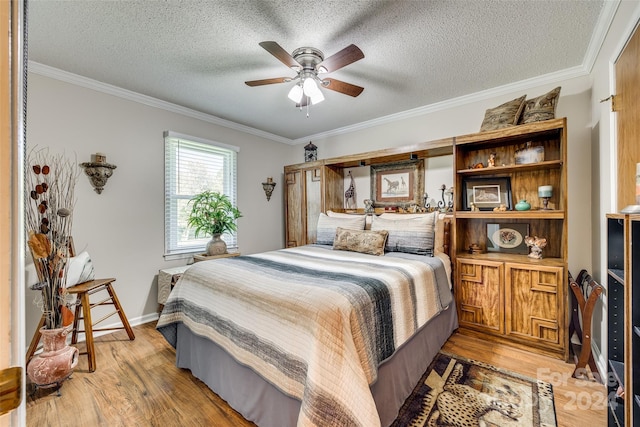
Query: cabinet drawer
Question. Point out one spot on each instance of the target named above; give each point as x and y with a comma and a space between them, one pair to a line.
480, 294
534, 302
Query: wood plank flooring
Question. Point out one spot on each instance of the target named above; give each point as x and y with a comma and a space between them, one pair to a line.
137, 383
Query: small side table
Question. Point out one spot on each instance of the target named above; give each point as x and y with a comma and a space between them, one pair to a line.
204, 257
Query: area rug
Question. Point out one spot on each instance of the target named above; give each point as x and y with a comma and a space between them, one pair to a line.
459, 392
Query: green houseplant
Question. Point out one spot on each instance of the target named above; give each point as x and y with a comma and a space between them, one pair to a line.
213, 214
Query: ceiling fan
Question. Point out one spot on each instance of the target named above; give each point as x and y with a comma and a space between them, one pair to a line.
309, 63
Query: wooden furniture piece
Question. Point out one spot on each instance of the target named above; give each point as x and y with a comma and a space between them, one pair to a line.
83, 311
83, 291
204, 257
623, 313
314, 187
504, 296
582, 312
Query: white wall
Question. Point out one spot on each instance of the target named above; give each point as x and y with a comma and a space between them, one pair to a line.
123, 228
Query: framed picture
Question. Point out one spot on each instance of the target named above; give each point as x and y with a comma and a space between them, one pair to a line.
396, 184
507, 238
486, 193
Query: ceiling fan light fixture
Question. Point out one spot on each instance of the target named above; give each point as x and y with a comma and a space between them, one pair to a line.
295, 94
310, 87
316, 97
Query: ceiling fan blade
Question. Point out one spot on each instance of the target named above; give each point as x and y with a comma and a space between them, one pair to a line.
343, 87
346, 56
276, 50
268, 81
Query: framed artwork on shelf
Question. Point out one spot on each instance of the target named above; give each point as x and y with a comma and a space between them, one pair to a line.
507, 238
397, 184
486, 193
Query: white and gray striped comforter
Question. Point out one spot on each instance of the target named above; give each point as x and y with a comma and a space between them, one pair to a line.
314, 322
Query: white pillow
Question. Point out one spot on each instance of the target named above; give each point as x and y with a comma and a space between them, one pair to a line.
367, 218
79, 269
327, 226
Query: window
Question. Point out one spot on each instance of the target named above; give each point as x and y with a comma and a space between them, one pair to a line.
193, 165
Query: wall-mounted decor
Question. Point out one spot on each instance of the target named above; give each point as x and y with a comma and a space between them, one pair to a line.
396, 184
268, 187
486, 193
508, 238
98, 171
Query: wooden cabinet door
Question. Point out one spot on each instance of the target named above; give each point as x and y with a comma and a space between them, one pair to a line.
480, 294
313, 202
535, 303
294, 197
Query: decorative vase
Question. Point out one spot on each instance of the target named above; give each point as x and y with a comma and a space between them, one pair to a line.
57, 360
216, 246
523, 205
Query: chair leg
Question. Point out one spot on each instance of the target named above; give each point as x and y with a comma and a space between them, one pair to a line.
35, 340
76, 321
88, 330
123, 317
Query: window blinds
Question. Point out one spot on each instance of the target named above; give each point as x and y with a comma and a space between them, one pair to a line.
194, 165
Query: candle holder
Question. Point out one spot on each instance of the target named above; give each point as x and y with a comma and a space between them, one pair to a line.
545, 192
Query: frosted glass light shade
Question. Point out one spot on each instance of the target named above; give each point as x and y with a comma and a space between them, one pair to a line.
295, 94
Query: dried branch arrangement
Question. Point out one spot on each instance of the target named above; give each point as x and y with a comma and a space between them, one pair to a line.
50, 185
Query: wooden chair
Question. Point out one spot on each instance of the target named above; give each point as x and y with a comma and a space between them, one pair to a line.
583, 309
83, 311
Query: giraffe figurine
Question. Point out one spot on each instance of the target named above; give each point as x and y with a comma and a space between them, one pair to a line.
350, 194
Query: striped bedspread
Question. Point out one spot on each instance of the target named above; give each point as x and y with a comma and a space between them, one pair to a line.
314, 322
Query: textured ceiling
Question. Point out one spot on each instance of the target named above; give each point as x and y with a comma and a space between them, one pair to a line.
198, 54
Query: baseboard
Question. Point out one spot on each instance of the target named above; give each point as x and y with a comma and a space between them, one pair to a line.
133, 322
601, 362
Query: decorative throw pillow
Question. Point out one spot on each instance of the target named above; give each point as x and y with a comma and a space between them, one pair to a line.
327, 226
80, 269
504, 115
542, 107
363, 241
414, 236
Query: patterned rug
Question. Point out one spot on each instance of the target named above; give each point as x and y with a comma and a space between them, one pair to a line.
459, 392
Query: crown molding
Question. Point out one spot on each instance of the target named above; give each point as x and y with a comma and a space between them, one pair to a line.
605, 20
65, 76
522, 85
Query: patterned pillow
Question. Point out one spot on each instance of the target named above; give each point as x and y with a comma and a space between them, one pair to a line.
327, 226
504, 115
363, 241
542, 107
367, 218
414, 236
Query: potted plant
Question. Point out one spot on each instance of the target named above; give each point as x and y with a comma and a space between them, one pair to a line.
213, 214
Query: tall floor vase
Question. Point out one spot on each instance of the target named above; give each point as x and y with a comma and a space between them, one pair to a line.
56, 362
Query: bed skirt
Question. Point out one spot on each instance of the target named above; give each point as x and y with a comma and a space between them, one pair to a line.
259, 401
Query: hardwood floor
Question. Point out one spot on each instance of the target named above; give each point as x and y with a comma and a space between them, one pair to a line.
137, 383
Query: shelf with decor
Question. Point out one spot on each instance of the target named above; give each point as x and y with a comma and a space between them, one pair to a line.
502, 292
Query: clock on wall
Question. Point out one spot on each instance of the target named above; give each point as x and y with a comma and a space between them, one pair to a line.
310, 152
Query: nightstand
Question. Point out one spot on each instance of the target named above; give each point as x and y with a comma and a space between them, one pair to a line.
203, 257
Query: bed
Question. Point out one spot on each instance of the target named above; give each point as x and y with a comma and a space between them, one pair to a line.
312, 336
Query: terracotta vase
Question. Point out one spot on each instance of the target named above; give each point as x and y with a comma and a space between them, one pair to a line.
216, 246
57, 360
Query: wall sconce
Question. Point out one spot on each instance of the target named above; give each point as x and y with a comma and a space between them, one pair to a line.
98, 171
268, 187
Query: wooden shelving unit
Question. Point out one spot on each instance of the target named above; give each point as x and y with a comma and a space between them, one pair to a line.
623, 313
511, 297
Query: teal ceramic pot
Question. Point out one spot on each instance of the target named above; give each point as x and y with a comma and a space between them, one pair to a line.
523, 205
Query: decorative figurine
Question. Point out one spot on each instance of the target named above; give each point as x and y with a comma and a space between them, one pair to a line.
350, 194
368, 206
536, 244
492, 160
310, 152
500, 208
